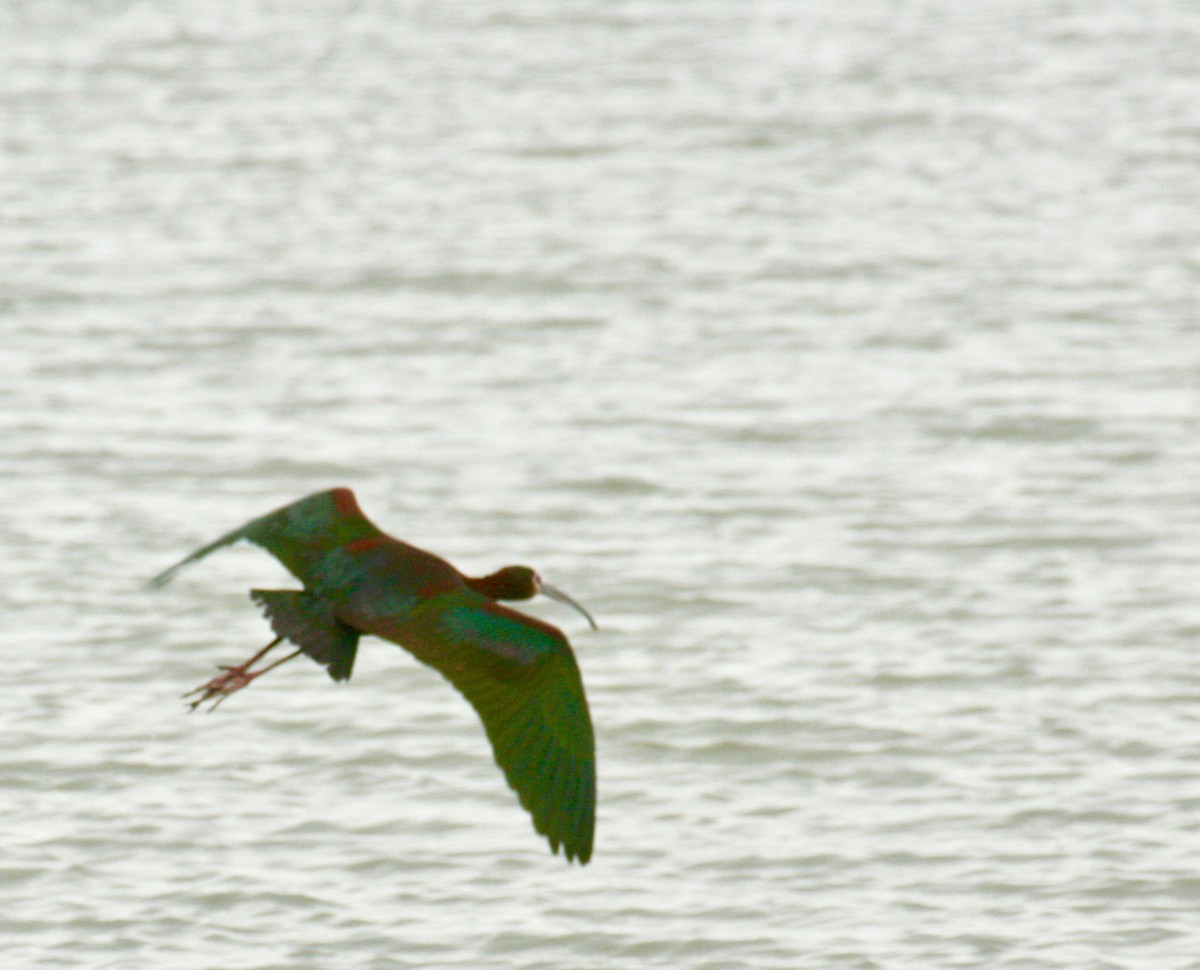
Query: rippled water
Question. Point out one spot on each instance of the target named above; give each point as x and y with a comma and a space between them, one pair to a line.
843, 359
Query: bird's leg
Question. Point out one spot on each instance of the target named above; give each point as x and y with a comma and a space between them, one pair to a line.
235, 677
243, 667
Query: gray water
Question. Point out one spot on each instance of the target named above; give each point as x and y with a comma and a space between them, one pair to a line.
842, 358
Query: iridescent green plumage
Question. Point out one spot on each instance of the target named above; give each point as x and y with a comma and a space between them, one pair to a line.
518, 673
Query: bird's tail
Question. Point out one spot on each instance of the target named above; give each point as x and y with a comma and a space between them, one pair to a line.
311, 624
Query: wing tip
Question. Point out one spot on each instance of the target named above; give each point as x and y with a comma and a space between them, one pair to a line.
570, 822
572, 832
161, 580
581, 854
576, 846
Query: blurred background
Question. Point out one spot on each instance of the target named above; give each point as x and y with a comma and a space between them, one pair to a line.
842, 358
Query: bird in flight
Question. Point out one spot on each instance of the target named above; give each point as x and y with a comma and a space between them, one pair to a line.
519, 673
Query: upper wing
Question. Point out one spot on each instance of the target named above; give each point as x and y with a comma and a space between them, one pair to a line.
521, 677
305, 536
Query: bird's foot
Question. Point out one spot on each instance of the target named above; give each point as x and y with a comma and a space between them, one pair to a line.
216, 690
236, 677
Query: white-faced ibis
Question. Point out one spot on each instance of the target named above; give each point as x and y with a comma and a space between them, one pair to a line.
518, 672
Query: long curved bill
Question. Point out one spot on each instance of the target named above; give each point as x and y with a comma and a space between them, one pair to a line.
557, 594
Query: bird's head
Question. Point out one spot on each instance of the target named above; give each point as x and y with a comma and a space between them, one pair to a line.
523, 583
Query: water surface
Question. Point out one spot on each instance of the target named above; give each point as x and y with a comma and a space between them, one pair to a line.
843, 359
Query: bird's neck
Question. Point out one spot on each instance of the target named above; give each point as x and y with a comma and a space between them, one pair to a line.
493, 586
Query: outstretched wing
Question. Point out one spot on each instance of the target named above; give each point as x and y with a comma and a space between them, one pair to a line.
307, 536
521, 677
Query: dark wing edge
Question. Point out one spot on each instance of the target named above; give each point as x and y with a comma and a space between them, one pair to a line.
538, 722
319, 521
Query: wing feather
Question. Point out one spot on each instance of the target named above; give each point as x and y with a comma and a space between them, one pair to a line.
529, 695
307, 536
